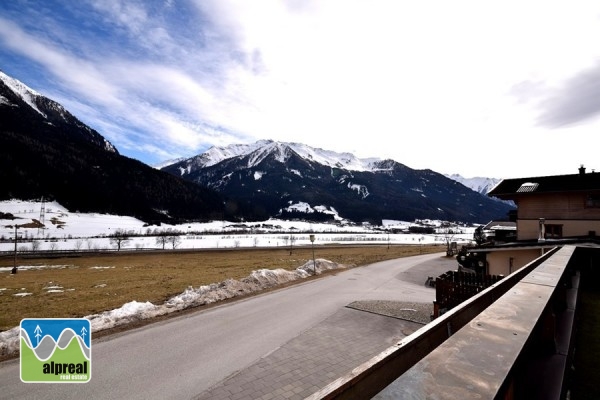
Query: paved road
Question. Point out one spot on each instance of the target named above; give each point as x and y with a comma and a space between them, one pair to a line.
185, 356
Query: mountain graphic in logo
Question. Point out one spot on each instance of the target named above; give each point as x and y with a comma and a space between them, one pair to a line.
56, 350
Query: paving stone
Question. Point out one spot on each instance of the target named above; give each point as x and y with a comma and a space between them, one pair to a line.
314, 358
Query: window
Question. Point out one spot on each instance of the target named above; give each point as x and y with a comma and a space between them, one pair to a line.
528, 187
553, 231
592, 201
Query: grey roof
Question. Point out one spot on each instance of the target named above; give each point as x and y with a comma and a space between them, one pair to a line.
511, 188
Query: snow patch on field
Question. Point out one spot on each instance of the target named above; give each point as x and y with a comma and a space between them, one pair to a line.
35, 267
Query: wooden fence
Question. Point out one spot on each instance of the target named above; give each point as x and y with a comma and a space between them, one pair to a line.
454, 287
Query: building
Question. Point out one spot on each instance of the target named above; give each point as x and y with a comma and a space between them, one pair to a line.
551, 210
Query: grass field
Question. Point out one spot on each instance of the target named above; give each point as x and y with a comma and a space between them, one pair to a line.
92, 283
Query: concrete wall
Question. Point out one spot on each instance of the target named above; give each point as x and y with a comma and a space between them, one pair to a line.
519, 347
499, 262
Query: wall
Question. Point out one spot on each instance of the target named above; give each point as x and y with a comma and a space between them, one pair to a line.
499, 261
556, 206
528, 229
566, 209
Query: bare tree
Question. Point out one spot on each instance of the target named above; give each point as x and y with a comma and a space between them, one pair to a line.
162, 240
162, 237
35, 245
175, 241
448, 236
119, 238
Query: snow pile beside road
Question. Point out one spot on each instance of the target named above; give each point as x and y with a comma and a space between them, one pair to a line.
129, 312
191, 297
9, 341
207, 294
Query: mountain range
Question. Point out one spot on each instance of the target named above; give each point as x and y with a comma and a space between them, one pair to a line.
47, 152
293, 180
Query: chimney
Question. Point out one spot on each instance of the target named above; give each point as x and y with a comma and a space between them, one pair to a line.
581, 170
542, 230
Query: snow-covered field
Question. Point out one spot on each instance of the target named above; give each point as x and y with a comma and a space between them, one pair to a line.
65, 230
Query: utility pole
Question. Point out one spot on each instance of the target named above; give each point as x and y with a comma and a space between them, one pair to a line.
14, 270
42, 216
312, 241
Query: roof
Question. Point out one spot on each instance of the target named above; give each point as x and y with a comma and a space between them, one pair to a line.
511, 188
501, 225
536, 244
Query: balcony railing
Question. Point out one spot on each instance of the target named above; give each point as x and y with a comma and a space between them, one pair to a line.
505, 342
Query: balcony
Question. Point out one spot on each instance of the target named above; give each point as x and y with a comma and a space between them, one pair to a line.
512, 340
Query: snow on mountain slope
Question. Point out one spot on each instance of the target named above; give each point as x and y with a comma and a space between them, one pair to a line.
479, 184
50, 111
168, 162
262, 148
23, 91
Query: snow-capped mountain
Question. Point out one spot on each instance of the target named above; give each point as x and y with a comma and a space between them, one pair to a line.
27, 94
281, 151
47, 152
479, 184
16, 94
270, 179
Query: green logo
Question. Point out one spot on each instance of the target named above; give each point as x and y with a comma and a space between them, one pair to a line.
56, 350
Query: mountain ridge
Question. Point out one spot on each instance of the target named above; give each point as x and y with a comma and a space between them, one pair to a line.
479, 184
277, 175
215, 155
47, 152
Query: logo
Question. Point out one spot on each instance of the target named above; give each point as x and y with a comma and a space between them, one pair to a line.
56, 350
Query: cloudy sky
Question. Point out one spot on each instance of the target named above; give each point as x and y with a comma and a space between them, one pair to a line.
498, 89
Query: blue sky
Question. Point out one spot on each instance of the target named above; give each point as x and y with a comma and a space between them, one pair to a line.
501, 89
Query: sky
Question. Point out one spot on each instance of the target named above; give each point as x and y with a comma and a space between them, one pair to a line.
495, 89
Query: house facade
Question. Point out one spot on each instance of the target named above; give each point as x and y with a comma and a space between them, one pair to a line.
550, 210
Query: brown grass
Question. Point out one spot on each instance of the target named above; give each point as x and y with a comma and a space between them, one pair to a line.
152, 276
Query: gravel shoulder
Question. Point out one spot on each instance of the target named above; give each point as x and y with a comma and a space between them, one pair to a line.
414, 312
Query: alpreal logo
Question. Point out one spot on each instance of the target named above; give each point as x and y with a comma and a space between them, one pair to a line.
56, 350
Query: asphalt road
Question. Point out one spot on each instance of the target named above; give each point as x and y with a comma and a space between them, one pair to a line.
181, 357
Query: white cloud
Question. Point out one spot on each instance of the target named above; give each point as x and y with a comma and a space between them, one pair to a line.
429, 84
127, 14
